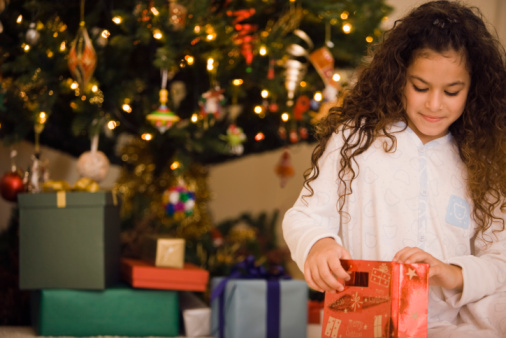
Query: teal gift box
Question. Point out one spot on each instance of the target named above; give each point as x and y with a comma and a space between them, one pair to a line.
247, 308
69, 240
117, 311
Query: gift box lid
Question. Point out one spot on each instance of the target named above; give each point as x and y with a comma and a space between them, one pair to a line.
141, 274
64, 199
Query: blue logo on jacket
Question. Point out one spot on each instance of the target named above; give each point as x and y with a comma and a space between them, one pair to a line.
458, 212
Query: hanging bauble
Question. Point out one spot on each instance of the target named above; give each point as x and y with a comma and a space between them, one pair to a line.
93, 164
211, 102
235, 137
323, 62
162, 118
245, 32
282, 132
179, 201
303, 133
178, 93
296, 64
284, 168
177, 15
32, 35
38, 173
11, 184
82, 57
293, 136
301, 107
233, 111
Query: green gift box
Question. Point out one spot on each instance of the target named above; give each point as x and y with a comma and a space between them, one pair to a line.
117, 311
69, 240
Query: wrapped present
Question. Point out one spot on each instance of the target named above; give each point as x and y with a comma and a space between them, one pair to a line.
163, 251
314, 310
252, 303
69, 240
141, 274
196, 315
382, 299
117, 311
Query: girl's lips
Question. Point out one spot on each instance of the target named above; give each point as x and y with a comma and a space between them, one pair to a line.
431, 118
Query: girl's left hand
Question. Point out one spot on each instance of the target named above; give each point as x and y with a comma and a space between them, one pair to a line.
441, 274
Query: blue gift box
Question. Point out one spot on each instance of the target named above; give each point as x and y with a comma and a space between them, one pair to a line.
249, 307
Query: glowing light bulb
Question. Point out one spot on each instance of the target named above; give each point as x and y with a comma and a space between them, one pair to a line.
259, 137
210, 64
175, 165
318, 96
346, 28
126, 107
265, 93
147, 137
111, 125
117, 20
42, 117
336, 77
189, 59
285, 117
157, 34
258, 110
263, 51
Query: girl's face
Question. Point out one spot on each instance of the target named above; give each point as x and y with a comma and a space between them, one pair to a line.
435, 93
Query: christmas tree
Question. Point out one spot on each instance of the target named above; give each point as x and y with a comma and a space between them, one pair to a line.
170, 87
97, 67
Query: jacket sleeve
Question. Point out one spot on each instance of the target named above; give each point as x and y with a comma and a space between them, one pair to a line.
484, 272
315, 217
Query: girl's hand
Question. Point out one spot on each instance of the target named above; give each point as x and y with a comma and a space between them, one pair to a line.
441, 274
323, 266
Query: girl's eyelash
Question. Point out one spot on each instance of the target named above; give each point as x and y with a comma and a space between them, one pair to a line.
451, 93
422, 90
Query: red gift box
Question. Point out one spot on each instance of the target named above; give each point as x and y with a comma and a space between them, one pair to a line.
382, 299
141, 274
314, 311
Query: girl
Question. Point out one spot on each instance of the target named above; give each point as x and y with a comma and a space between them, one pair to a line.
412, 168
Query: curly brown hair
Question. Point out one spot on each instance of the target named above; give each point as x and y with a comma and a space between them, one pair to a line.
376, 101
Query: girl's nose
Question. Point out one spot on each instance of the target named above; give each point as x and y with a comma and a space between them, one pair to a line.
434, 102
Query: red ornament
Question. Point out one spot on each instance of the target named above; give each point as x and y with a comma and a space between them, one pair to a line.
245, 32
301, 106
293, 136
82, 58
11, 184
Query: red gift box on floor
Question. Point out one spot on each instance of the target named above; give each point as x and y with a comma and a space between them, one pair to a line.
382, 299
141, 274
314, 308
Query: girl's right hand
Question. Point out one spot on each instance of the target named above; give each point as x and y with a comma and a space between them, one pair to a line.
323, 266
